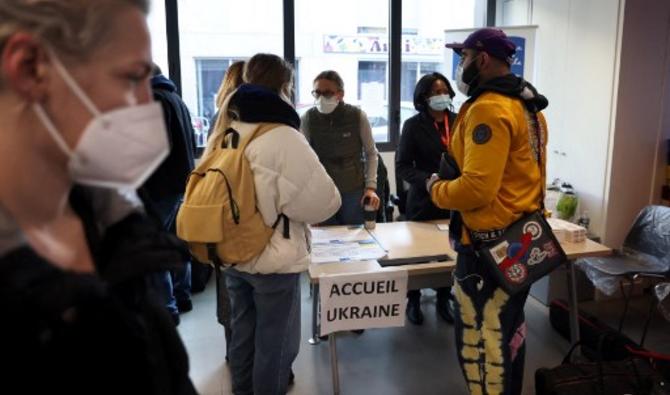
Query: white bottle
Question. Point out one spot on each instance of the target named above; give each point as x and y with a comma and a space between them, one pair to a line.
584, 221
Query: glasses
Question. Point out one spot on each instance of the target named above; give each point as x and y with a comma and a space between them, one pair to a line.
327, 94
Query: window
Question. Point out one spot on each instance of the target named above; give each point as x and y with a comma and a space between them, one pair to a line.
159, 42
372, 81
213, 34
350, 36
210, 73
352, 39
411, 72
424, 23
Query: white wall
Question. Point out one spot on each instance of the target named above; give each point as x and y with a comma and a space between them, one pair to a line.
660, 178
576, 51
642, 100
513, 12
602, 65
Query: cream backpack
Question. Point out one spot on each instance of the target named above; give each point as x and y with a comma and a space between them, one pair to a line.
219, 219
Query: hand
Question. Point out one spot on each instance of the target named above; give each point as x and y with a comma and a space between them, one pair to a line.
429, 182
372, 195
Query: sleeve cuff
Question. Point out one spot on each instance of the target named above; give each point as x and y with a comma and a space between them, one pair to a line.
435, 192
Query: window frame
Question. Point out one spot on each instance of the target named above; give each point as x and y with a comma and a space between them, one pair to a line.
394, 65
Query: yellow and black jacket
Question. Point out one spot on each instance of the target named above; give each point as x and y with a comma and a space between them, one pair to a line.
495, 147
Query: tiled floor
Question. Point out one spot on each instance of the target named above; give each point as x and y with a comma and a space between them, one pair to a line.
410, 360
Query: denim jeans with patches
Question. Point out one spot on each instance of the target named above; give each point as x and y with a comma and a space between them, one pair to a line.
265, 323
490, 329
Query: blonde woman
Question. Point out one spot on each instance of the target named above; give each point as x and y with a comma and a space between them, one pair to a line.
265, 292
231, 81
78, 124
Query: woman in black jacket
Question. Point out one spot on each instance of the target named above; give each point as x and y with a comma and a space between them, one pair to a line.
425, 136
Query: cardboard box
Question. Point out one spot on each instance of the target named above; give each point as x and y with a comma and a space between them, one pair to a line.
555, 286
639, 286
567, 231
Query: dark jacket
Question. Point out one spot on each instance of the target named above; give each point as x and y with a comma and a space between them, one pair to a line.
170, 177
336, 139
255, 103
71, 333
418, 157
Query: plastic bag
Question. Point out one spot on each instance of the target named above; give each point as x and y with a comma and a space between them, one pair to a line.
605, 283
646, 250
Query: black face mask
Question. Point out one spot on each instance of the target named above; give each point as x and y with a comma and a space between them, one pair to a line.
471, 75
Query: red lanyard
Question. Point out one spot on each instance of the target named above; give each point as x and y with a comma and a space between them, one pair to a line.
446, 137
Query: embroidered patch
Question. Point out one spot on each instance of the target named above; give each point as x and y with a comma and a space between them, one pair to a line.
516, 273
499, 252
534, 229
550, 248
482, 134
537, 256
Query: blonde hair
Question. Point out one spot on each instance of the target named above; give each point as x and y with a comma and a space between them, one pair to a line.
231, 81
71, 27
267, 70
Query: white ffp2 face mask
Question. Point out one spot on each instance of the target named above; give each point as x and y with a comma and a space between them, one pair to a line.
326, 106
462, 86
439, 102
118, 149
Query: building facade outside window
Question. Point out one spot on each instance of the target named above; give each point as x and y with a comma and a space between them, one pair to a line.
427, 20
213, 34
350, 36
209, 74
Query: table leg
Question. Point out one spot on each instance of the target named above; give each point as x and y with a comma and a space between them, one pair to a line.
573, 303
333, 363
314, 340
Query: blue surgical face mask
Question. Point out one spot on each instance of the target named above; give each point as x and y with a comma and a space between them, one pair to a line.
439, 102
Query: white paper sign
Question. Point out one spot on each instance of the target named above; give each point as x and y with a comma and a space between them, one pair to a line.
363, 300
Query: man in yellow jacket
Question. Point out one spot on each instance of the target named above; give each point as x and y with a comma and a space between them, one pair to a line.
497, 175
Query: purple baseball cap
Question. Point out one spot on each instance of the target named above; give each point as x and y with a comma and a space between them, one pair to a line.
490, 40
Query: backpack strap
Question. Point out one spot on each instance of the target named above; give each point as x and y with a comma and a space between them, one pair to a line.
214, 257
286, 225
235, 138
260, 130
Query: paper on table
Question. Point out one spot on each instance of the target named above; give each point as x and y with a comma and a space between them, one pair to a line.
344, 251
342, 233
444, 227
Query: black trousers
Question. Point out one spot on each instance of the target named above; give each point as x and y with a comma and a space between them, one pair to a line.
442, 293
490, 329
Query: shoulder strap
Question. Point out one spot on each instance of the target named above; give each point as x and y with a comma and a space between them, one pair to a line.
286, 225
539, 148
235, 135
